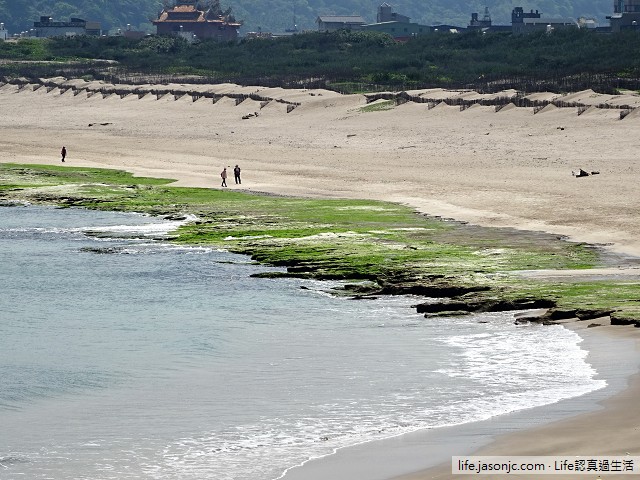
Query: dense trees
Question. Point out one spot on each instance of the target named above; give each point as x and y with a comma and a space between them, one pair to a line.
343, 60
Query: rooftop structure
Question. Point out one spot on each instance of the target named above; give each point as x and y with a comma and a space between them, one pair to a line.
518, 15
523, 22
626, 15
331, 23
198, 18
386, 14
476, 22
47, 27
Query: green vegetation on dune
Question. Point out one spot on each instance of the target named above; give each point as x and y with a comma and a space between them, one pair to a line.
41, 175
391, 246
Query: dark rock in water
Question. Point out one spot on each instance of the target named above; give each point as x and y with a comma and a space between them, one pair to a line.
176, 217
592, 325
444, 307
363, 297
528, 319
362, 288
485, 305
300, 268
278, 275
449, 313
102, 250
434, 291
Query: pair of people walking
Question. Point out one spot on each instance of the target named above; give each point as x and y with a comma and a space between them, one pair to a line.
236, 174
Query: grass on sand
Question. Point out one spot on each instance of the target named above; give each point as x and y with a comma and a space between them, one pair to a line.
376, 242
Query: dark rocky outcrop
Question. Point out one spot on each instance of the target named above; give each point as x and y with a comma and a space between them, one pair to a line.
585, 314
443, 290
559, 314
479, 305
448, 313
618, 318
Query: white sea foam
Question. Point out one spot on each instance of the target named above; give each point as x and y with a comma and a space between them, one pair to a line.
509, 369
151, 229
177, 366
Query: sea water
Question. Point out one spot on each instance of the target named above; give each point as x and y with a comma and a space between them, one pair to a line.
123, 356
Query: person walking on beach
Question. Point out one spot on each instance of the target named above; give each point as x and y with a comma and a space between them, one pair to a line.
236, 174
223, 174
63, 153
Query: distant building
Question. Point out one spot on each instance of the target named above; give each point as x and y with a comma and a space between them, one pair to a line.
4, 33
523, 22
518, 15
197, 18
386, 14
626, 15
395, 25
93, 29
444, 28
400, 31
547, 24
476, 22
332, 23
47, 28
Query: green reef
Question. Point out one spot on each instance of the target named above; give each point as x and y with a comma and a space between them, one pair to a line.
375, 248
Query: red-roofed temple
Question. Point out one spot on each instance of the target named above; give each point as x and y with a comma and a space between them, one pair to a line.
204, 19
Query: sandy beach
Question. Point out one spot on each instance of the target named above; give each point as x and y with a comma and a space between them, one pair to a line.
609, 426
506, 168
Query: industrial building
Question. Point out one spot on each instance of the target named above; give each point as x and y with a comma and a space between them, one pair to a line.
626, 15
47, 27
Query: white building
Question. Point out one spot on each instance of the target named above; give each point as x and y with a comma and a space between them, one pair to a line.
4, 33
46, 28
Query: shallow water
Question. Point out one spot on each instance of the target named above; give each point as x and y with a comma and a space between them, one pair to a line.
163, 362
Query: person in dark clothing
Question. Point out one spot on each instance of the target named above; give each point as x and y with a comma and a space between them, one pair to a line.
236, 174
223, 175
63, 153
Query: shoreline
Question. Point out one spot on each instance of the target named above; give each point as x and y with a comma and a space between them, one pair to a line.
408, 450
404, 457
425, 454
606, 428
498, 169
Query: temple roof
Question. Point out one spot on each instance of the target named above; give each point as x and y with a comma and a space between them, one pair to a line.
188, 14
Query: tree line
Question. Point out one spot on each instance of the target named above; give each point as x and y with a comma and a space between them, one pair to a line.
349, 61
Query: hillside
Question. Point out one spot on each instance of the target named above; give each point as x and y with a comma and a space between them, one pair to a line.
278, 15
